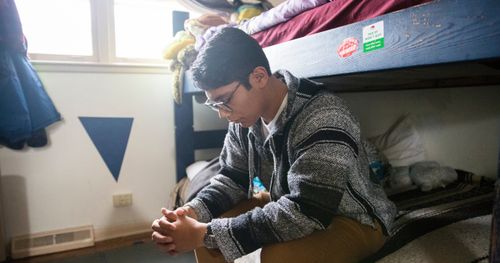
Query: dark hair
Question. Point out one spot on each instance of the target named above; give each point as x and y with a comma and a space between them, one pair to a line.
229, 55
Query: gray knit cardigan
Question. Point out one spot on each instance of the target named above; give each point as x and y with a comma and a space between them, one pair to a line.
313, 164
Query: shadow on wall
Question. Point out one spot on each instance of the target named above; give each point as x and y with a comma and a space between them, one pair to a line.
14, 200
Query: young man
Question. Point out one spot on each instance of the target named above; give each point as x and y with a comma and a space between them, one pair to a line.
303, 143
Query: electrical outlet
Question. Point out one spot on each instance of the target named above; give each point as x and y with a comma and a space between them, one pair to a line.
122, 200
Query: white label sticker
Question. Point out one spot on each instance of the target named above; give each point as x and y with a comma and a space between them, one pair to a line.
373, 31
373, 36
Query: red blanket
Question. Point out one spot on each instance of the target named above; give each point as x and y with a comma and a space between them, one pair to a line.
331, 15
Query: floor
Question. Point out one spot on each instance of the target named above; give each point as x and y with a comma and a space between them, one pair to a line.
143, 252
132, 249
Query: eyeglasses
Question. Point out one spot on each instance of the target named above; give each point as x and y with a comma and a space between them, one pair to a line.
222, 105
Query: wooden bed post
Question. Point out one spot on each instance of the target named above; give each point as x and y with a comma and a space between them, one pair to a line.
183, 115
495, 221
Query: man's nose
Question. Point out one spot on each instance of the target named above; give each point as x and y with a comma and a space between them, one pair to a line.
223, 113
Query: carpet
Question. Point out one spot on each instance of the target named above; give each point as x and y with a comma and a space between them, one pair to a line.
463, 241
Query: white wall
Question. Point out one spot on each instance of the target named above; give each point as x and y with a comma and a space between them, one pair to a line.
67, 183
460, 127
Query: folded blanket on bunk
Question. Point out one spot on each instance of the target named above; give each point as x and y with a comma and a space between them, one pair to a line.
331, 15
279, 14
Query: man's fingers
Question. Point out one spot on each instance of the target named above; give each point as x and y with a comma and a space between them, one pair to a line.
161, 239
164, 211
165, 225
181, 212
156, 225
165, 242
170, 215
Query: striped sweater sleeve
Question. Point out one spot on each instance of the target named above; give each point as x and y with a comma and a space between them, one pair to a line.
325, 152
231, 185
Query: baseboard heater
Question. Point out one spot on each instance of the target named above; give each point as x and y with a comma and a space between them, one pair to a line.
52, 241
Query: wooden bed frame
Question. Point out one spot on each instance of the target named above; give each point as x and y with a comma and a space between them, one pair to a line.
444, 43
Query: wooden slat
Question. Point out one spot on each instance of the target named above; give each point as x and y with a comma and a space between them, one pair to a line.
442, 31
183, 116
209, 139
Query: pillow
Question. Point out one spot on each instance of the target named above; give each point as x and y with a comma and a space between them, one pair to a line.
193, 169
203, 177
401, 144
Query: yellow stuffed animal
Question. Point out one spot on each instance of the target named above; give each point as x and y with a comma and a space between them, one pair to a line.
181, 40
181, 52
245, 12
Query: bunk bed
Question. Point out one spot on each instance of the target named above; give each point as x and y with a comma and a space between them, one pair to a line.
440, 44
444, 43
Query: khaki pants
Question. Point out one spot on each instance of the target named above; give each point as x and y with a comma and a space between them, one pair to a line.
345, 240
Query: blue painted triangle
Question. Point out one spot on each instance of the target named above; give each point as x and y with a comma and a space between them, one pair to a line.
110, 137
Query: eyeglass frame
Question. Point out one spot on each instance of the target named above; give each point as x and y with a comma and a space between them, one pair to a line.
222, 105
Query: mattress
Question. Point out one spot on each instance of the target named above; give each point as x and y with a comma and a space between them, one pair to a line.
328, 16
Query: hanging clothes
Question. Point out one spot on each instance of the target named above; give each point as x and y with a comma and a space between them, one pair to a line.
25, 108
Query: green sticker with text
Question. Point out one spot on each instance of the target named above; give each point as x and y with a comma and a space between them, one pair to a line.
373, 36
373, 45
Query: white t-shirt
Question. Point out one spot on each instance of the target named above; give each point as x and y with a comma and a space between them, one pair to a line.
267, 128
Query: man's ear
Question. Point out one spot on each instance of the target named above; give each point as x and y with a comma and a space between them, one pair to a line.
259, 76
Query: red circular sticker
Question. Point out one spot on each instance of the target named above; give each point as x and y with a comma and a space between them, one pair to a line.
347, 47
